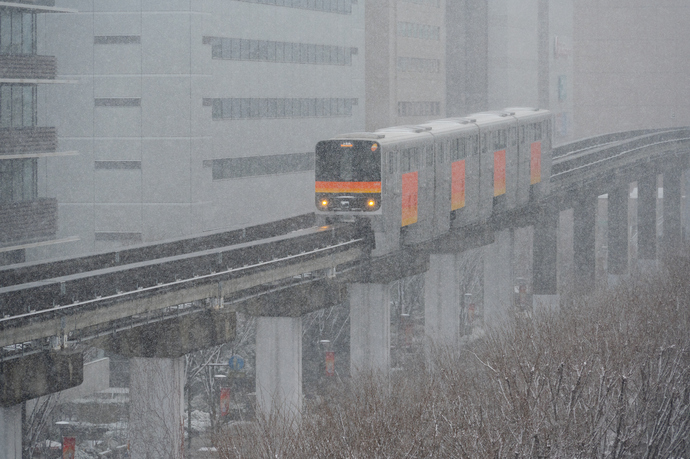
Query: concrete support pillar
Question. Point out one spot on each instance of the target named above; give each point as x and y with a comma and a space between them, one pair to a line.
544, 265
584, 250
370, 335
618, 233
498, 278
685, 204
11, 432
646, 221
442, 300
672, 218
156, 408
279, 365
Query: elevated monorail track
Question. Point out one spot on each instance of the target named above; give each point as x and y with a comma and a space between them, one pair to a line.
53, 306
99, 293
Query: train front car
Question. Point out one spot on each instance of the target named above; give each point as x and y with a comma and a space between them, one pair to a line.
348, 177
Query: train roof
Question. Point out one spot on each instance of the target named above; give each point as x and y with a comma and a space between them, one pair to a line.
445, 125
389, 135
527, 112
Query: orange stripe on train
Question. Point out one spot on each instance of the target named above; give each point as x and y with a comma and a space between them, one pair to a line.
348, 187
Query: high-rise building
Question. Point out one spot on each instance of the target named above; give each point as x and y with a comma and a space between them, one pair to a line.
503, 53
28, 211
193, 116
405, 61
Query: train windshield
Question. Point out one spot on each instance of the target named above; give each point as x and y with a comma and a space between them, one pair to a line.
348, 161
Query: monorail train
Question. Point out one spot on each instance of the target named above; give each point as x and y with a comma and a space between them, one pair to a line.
418, 181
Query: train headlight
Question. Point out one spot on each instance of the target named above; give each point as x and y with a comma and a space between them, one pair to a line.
371, 203
324, 203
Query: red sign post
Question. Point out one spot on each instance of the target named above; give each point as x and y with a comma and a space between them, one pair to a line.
224, 401
69, 446
330, 363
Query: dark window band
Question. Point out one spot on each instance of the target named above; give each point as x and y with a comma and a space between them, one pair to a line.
118, 102
121, 165
435, 3
424, 108
241, 49
117, 40
254, 166
328, 6
255, 108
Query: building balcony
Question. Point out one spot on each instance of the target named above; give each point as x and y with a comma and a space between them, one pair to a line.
26, 221
18, 141
28, 67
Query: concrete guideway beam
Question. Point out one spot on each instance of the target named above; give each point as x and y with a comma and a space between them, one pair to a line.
40, 374
175, 337
296, 300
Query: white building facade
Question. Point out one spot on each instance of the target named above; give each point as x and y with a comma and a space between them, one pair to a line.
191, 116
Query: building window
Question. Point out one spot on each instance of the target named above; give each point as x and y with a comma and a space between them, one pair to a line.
17, 105
328, 6
422, 108
416, 64
17, 32
434, 3
421, 31
255, 166
117, 40
240, 49
18, 180
255, 108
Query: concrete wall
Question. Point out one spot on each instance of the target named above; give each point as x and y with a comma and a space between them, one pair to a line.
513, 53
631, 65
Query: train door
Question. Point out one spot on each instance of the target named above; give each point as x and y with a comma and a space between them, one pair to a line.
486, 185
512, 159
546, 149
442, 186
470, 211
524, 165
498, 151
390, 199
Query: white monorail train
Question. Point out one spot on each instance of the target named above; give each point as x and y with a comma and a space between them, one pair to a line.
421, 179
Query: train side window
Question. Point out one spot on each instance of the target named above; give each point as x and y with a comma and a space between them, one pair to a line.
440, 151
392, 162
405, 161
429, 156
